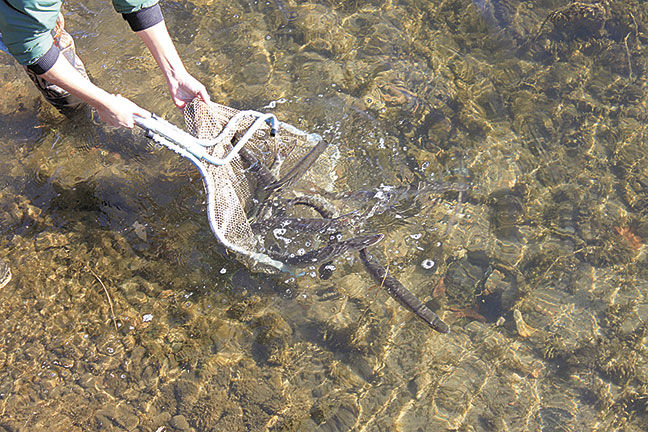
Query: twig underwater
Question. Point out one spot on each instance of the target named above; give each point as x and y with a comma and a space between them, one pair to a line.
110, 303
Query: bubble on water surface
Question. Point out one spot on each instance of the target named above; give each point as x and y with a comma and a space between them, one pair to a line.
427, 264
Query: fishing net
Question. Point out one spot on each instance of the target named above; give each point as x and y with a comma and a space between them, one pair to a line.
246, 160
270, 156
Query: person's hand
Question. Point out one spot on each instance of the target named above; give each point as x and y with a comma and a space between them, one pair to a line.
117, 111
184, 88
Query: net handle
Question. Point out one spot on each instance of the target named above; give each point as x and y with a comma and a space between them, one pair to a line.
163, 132
210, 189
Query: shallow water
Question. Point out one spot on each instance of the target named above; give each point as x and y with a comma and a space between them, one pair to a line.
124, 314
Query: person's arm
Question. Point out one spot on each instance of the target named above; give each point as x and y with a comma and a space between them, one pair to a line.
182, 86
26, 31
145, 18
115, 110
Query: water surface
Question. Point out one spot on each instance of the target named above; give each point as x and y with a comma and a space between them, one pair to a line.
124, 313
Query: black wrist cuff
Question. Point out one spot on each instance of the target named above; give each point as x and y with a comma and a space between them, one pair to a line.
144, 18
45, 62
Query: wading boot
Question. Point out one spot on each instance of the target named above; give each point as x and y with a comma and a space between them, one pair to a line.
61, 99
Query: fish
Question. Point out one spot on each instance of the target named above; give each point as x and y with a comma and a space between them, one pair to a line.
402, 295
387, 197
320, 226
394, 194
256, 166
267, 182
300, 168
264, 177
307, 225
327, 253
316, 202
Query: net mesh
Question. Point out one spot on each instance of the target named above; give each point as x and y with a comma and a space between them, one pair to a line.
235, 185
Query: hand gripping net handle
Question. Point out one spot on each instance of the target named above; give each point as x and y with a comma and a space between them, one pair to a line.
163, 132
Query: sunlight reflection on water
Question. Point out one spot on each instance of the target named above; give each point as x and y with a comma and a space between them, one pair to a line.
539, 273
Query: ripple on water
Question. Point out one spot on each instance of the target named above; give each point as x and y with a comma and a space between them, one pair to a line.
548, 121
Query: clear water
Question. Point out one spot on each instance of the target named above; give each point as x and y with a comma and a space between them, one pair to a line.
124, 314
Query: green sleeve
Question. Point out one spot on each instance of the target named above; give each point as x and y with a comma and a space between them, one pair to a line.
26, 26
130, 6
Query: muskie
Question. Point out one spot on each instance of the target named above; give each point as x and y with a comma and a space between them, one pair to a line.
317, 203
300, 168
265, 178
306, 225
257, 167
397, 290
327, 253
392, 195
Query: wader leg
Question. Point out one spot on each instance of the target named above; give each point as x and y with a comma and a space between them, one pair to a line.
61, 99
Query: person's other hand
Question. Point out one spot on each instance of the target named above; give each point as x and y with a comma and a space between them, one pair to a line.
117, 111
184, 88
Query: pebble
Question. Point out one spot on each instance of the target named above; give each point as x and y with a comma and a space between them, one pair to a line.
87, 381
523, 329
122, 415
160, 419
126, 417
180, 422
